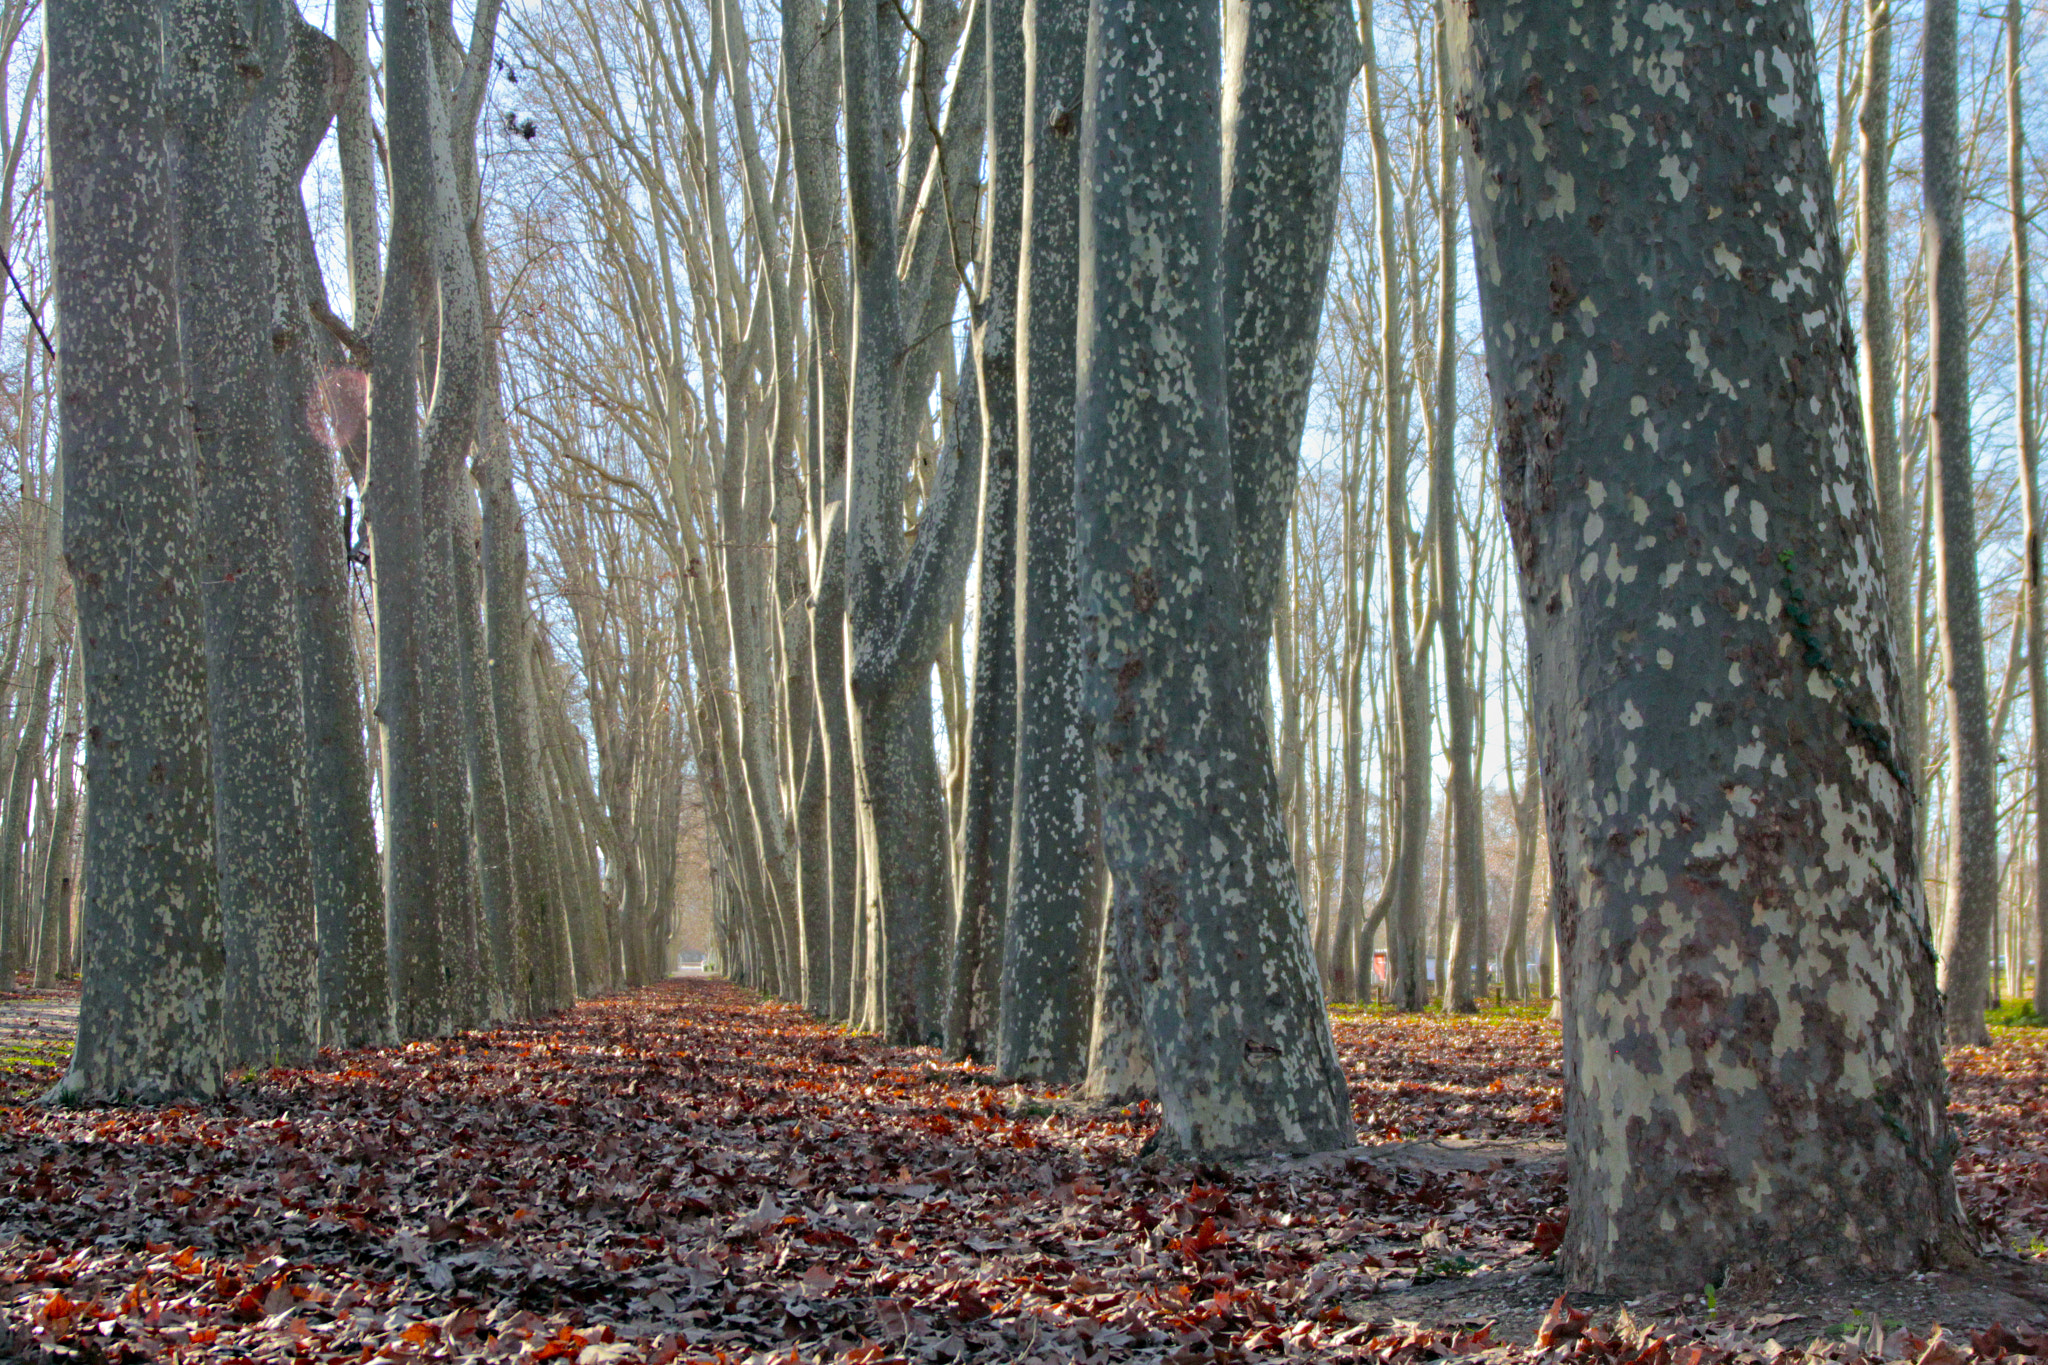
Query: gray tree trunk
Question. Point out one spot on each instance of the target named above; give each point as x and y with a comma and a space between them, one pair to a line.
415, 883
1047, 982
1465, 861
975, 993
1972, 771
2030, 493
150, 1014
1880, 374
1752, 1078
1408, 988
353, 978
895, 609
1207, 923
257, 700
54, 894
1283, 152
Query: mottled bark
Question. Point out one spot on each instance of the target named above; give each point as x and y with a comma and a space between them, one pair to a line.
1207, 920
415, 883
1752, 1080
150, 1013
1055, 900
1972, 770
256, 701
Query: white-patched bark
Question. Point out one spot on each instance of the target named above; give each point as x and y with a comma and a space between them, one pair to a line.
256, 699
1207, 920
1055, 900
150, 1012
1752, 1081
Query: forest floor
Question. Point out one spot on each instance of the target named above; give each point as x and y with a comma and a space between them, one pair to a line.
689, 1173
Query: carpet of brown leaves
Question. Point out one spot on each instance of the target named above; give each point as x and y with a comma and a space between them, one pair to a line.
687, 1173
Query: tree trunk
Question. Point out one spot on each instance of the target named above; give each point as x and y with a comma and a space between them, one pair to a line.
150, 1014
415, 880
257, 698
54, 894
1752, 1077
973, 1018
1465, 855
1048, 977
1972, 767
1207, 914
1880, 376
895, 609
353, 979
1408, 989
2030, 496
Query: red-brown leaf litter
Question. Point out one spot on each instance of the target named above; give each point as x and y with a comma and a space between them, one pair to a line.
688, 1173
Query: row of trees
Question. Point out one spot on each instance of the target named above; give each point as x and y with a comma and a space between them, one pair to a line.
276, 857
909, 408
1361, 650
1044, 675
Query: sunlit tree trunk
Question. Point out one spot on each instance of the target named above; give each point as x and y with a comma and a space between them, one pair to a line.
1465, 854
975, 992
1753, 1085
1972, 771
150, 1014
2030, 494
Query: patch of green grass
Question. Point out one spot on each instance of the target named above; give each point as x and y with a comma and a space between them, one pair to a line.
2014, 1014
29, 1067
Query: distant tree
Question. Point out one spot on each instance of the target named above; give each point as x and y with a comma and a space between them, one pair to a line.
1972, 766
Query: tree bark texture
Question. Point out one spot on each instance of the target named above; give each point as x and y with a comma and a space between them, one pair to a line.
1752, 1080
305, 76
1207, 919
1054, 899
257, 702
975, 995
150, 1025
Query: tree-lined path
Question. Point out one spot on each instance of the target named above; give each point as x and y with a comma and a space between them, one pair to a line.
688, 1169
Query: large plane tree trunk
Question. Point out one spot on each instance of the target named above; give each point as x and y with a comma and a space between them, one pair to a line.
1055, 899
1207, 920
257, 698
1752, 1077
150, 1012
